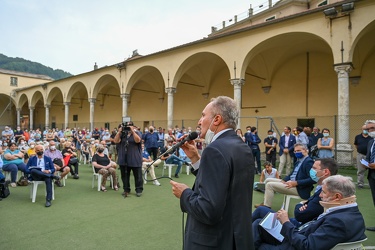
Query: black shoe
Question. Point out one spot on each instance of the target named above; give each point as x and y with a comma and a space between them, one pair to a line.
176, 176
125, 194
58, 183
370, 228
76, 176
56, 177
139, 194
48, 203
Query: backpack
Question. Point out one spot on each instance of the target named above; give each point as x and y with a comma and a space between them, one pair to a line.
4, 189
314, 151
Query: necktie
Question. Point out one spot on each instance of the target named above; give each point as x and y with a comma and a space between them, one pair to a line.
372, 156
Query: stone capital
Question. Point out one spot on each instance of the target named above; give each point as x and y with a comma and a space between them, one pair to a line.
67, 103
343, 69
92, 100
170, 90
47, 106
237, 82
125, 96
31, 108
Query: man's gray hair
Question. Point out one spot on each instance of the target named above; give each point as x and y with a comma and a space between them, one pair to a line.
340, 184
227, 108
301, 145
369, 121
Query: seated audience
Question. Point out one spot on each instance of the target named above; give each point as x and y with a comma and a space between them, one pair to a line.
341, 221
172, 158
104, 166
298, 182
309, 210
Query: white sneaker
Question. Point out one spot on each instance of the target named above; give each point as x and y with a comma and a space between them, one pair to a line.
156, 183
145, 182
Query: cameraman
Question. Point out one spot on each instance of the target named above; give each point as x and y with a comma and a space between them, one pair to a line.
129, 151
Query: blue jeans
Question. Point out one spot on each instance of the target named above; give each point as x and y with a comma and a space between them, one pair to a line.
256, 154
13, 169
173, 159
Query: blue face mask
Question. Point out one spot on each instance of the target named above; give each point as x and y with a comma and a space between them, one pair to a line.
365, 132
313, 175
299, 155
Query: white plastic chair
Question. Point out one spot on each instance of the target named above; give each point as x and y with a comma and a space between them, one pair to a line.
99, 178
169, 166
355, 245
34, 188
287, 198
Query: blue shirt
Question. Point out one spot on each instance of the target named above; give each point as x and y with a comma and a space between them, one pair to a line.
296, 168
151, 140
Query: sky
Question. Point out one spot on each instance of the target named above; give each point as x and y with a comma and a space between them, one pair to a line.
73, 35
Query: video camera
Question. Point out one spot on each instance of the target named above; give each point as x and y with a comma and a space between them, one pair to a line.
125, 125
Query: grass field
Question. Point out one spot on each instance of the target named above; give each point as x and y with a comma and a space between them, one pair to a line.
83, 218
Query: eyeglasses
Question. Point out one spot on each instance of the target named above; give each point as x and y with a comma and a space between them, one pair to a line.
370, 128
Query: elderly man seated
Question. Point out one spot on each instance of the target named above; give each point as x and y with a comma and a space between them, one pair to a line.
298, 182
341, 221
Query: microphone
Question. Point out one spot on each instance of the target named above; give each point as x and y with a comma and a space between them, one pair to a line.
192, 136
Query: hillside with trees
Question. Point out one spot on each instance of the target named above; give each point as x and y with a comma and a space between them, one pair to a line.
22, 65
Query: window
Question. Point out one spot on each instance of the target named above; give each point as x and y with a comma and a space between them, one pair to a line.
270, 18
13, 81
306, 123
75, 118
325, 2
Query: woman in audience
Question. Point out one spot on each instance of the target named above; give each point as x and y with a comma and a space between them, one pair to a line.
70, 159
13, 161
325, 145
104, 166
239, 133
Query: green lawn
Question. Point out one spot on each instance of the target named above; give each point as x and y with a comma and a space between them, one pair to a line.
82, 218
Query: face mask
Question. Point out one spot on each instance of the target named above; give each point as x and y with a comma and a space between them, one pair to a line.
40, 153
32, 146
100, 150
209, 134
22, 143
146, 130
372, 134
299, 155
325, 134
313, 175
364, 132
198, 131
270, 136
5, 144
52, 148
151, 130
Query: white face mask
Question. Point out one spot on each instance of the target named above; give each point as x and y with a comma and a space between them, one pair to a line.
209, 134
372, 134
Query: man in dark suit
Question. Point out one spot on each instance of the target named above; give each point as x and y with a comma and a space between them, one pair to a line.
370, 157
219, 204
41, 168
341, 222
286, 153
298, 182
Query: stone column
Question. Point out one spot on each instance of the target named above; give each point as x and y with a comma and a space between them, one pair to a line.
31, 117
344, 149
47, 106
18, 117
67, 104
237, 85
170, 92
92, 110
125, 99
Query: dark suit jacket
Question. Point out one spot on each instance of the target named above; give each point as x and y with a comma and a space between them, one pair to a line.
305, 183
219, 206
292, 141
33, 161
313, 210
344, 225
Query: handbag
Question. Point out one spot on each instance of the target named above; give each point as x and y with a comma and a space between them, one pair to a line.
73, 161
4, 189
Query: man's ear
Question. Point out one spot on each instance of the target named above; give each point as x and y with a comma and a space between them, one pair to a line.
217, 120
